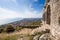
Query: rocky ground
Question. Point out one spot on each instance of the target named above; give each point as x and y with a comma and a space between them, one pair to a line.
41, 33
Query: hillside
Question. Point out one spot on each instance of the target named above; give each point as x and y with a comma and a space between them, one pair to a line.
24, 22
27, 21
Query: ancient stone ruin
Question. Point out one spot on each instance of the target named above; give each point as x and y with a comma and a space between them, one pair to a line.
51, 17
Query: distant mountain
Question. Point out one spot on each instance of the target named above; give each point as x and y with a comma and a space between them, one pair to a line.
25, 21
10, 20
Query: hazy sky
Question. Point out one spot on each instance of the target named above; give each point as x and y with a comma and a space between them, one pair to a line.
21, 9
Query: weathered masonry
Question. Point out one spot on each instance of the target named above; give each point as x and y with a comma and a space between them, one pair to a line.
51, 16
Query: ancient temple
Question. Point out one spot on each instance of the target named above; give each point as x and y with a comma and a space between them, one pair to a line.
51, 16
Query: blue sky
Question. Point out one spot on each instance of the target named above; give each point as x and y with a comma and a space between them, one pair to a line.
21, 9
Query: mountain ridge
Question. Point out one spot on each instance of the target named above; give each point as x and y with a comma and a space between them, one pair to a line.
25, 21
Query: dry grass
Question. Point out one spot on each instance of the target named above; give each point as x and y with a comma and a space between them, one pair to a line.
16, 35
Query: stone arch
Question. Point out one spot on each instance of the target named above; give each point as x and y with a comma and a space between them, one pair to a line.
48, 15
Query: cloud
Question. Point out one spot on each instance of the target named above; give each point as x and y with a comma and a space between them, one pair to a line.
32, 14
6, 13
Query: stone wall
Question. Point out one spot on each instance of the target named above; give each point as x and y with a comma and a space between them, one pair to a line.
52, 16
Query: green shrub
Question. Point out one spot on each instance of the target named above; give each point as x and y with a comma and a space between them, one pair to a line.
18, 28
1, 30
10, 28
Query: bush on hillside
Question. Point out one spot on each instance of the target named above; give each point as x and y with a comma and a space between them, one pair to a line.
18, 28
1, 30
10, 28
